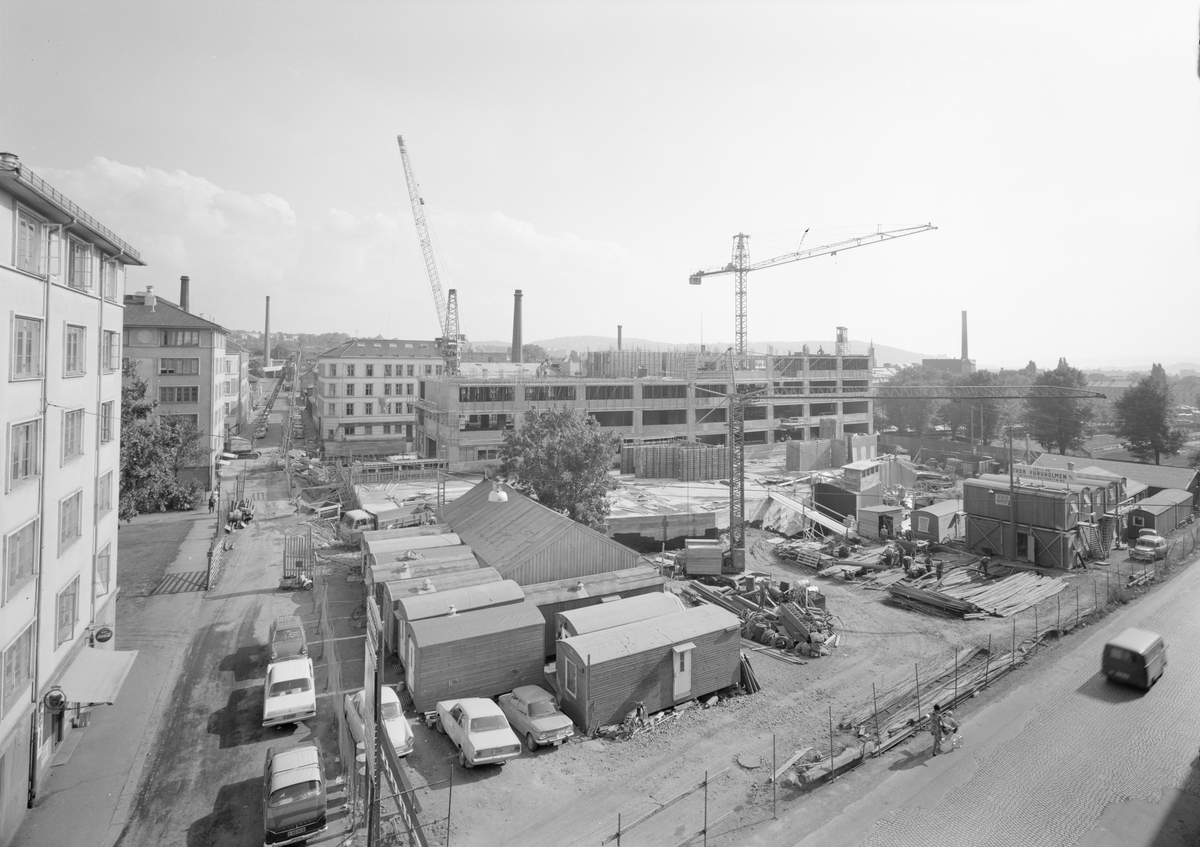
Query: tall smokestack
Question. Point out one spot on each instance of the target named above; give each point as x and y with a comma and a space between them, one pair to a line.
964, 355
185, 293
618, 338
516, 343
267, 336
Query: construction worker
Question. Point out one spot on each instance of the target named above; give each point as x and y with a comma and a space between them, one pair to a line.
939, 564
983, 564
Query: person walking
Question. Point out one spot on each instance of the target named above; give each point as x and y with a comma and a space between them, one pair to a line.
935, 728
212, 501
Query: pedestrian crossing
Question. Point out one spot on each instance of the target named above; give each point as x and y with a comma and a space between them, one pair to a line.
179, 583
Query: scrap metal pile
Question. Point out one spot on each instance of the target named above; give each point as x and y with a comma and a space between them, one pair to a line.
794, 620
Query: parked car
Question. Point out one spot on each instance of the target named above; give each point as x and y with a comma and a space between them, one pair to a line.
289, 694
294, 802
261, 432
394, 722
287, 638
479, 730
533, 714
1150, 546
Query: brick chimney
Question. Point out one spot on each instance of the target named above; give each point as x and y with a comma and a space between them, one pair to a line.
185, 293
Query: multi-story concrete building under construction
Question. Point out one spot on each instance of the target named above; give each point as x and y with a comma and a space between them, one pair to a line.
805, 396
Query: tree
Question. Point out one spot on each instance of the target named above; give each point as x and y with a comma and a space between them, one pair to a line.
1059, 422
1030, 370
532, 353
1158, 373
562, 457
1143, 417
977, 418
915, 415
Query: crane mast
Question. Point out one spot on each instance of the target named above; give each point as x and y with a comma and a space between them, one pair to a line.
447, 309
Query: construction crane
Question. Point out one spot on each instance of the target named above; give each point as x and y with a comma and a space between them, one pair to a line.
740, 266
447, 307
737, 422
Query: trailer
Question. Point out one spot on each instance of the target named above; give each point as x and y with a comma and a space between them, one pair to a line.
616, 612
449, 593
416, 569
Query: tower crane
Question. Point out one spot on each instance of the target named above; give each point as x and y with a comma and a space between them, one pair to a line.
447, 307
740, 266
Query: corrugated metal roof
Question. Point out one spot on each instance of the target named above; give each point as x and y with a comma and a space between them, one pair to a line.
1170, 497
451, 628
646, 635
620, 612
1153, 476
945, 507
504, 535
462, 599
593, 585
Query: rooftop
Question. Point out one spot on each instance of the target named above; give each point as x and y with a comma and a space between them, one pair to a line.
383, 348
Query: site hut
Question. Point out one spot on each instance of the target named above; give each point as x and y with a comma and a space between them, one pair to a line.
1047, 519
703, 556
616, 612
422, 568
378, 547
879, 522
1165, 512
405, 532
579, 592
529, 543
396, 591
937, 522
660, 662
483, 653
464, 599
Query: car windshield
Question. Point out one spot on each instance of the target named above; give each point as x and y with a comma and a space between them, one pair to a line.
293, 793
289, 686
391, 711
541, 709
489, 722
290, 634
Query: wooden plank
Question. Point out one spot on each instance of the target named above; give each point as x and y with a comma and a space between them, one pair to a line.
795, 757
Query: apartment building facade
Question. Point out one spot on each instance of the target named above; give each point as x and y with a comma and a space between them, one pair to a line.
463, 419
62, 274
190, 370
366, 394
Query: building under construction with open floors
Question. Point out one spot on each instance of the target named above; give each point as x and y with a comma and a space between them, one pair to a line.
803, 396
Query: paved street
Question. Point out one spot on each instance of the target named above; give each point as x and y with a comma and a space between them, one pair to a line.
1064, 759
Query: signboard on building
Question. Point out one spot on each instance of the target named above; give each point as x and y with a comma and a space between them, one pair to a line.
1059, 475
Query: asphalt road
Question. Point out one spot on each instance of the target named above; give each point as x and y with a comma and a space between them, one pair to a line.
1063, 759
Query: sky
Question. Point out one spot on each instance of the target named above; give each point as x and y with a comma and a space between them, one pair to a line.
593, 155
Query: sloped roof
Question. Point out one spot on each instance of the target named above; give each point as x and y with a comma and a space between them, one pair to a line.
492, 621
503, 534
383, 348
1168, 497
944, 507
462, 599
1153, 476
164, 314
594, 585
624, 611
664, 631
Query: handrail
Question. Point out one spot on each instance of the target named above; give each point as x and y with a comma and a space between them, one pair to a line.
53, 194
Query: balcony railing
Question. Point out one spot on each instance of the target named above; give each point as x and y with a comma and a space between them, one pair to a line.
51, 193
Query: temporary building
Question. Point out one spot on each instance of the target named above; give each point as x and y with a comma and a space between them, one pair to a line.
438, 601
420, 585
480, 654
380, 547
405, 532
876, 522
576, 593
1165, 512
529, 543
617, 612
937, 522
405, 568
604, 675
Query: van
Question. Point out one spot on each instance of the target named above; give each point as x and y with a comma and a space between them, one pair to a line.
287, 638
1135, 657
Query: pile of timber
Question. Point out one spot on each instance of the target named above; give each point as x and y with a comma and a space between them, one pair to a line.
1006, 596
928, 600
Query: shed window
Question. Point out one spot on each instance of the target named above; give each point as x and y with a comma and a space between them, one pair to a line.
1138, 520
923, 523
572, 678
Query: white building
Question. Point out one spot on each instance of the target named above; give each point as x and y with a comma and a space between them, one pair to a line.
62, 275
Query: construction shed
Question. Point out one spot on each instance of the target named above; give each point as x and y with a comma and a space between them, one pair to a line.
565, 594
380, 547
405, 532
937, 522
1047, 519
396, 591
407, 568
616, 612
480, 654
529, 543
879, 522
604, 675
462, 598
1165, 512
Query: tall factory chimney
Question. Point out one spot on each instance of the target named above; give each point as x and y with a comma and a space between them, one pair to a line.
964, 353
618, 338
516, 342
267, 337
185, 293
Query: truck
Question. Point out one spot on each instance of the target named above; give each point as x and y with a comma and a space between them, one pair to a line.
376, 516
479, 730
241, 448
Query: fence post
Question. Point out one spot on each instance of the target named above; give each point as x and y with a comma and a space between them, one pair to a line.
1013, 655
450, 806
875, 701
1058, 604
830, 745
618, 829
774, 767
706, 803
1035, 630
987, 666
954, 702
917, 674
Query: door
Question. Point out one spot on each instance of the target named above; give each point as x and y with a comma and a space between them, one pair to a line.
409, 677
1026, 547
682, 655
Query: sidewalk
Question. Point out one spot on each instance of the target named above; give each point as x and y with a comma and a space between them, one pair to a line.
87, 794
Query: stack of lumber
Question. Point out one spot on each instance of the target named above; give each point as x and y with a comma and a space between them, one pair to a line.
927, 600
883, 579
1006, 596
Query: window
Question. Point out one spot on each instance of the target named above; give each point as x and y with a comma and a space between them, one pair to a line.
30, 231
104, 487
111, 279
106, 422
332, 409
350, 389
180, 338
179, 394
370, 370
572, 678
331, 389
168, 367
387, 388
387, 429
387, 370
103, 569
410, 371
923, 523
72, 434
332, 435
1138, 520
408, 388
75, 352
27, 348
349, 370
367, 429
369, 389
25, 441
333, 370
349, 408
664, 392
20, 558
408, 408
429, 370
68, 607
609, 392
368, 408
70, 526
111, 361
438, 370
350, 430
79, 265
18, 668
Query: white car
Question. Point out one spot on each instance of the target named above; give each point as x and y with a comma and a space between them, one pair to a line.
394, 722
533, 713
479, 730
289, 694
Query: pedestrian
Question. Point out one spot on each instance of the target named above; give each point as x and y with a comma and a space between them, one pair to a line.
935, 728
939, 570
983, 563
212, 501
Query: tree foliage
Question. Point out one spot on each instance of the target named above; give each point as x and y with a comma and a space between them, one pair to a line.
979, 419
1143, 418
914, 415
562, 457
1057, 422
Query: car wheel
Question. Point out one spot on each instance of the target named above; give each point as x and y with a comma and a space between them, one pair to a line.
462, 759
441, 729
530, 744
